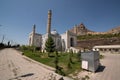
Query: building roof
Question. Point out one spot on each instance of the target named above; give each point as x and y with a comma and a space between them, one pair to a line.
107, 46
37, 34
54, 32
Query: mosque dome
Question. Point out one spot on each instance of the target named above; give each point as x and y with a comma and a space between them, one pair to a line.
54, 32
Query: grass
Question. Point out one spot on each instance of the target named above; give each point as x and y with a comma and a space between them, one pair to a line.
63, 61
101, 56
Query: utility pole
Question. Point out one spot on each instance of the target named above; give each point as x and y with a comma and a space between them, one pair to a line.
3, 38
1, 35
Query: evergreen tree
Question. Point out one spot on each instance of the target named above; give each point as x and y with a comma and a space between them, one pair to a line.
56, 62
70, 56
49, 45
79, 56
58, 68
69, 65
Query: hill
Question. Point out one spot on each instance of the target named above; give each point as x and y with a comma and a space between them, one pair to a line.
88, 41
88, 44
82, 30
87, 38
115, 30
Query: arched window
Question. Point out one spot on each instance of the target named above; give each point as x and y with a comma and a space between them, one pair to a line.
71, 42
59, 45
37, 41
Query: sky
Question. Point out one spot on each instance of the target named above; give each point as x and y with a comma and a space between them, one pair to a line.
18, 16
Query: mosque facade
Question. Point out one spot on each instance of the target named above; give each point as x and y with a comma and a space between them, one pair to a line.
63, 42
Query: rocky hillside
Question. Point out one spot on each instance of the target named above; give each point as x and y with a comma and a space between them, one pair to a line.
88, 44
87, 38
115, 30
82, 30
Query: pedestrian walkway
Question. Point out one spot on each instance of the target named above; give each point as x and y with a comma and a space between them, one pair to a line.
14, 66
109, 70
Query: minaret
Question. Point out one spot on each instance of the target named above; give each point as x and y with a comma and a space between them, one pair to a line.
33, 34
34, 26
49, 22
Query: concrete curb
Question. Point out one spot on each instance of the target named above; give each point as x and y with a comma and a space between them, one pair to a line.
43, 65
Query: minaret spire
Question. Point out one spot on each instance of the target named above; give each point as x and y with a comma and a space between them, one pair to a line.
49, 22
33, 34
34, 26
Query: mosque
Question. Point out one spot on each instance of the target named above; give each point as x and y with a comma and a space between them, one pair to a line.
64, 42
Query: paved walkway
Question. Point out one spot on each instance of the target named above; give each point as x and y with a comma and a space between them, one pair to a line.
13, 66
110, 69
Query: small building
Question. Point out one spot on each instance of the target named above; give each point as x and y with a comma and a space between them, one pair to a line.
107, 48
90, 60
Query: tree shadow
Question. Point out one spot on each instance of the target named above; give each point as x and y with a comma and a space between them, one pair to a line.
25, 75
51, 56
100, 69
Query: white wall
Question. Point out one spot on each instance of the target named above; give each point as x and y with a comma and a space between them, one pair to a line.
35, 39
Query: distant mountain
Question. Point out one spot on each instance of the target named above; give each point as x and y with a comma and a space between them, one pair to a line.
82, 30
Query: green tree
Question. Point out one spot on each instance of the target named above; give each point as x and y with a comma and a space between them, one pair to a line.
70, 59
79, 56
56, 62
69, 65
70, 56
49, 45
57, 67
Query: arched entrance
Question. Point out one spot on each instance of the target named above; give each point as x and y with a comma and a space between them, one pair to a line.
71, 42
